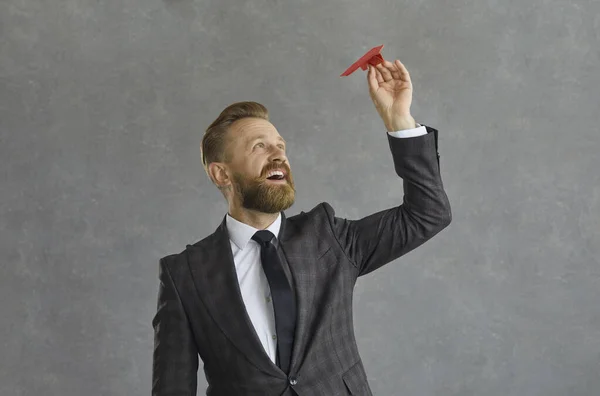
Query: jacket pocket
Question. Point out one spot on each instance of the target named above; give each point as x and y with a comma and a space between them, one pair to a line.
355, 379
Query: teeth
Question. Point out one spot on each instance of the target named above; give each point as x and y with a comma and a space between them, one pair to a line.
273, 173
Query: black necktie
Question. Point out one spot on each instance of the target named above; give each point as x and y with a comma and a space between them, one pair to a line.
282, 296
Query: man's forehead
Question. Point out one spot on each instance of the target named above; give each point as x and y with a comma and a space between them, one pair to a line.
250, 123
254, 129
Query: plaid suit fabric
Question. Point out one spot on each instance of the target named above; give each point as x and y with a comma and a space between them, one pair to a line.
201, 314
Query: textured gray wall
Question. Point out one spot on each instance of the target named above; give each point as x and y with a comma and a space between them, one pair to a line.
102, 109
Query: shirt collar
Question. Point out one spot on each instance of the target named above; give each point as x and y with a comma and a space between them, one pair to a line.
240, 233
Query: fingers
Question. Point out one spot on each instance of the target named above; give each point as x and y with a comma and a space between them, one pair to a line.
378, 75
384, 69
388, 71
404, 75
373, 79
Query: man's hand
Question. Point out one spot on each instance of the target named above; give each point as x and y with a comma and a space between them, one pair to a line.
390, 88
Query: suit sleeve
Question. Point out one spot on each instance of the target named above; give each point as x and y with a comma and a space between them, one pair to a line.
382, 237
175, 359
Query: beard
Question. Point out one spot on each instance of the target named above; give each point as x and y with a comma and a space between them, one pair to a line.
263, 196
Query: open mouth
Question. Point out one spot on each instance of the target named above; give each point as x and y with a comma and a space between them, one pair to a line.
277, 176
277, 179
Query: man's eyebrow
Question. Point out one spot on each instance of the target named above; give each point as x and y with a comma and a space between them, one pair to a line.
250, 140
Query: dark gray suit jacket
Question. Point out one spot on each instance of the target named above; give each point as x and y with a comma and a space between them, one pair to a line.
201, 311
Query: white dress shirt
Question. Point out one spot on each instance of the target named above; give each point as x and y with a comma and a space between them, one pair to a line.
253, 282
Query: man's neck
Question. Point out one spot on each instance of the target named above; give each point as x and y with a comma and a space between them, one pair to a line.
260, 221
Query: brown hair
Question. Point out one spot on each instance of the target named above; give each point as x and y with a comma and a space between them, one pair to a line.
215, 143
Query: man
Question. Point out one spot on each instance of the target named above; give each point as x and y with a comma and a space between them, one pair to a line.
266, 300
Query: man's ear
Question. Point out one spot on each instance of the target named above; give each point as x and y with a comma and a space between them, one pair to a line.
218, 174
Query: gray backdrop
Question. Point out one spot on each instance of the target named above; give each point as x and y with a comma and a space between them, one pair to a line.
102, 109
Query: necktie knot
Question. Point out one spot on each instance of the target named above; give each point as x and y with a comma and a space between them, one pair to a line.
263, 237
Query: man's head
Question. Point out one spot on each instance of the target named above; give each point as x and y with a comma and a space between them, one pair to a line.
239, 149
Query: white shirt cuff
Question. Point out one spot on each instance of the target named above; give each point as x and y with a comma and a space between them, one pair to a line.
418, 131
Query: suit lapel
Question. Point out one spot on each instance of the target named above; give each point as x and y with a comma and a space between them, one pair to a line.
213, 273
304, 288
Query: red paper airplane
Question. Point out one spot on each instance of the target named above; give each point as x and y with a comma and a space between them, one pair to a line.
373, 57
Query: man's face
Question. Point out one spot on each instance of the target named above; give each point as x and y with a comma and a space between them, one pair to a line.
257, 149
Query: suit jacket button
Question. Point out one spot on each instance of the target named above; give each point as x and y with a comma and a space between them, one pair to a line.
293, 381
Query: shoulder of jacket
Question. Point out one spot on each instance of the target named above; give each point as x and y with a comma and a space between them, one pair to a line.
170, 259
320, 208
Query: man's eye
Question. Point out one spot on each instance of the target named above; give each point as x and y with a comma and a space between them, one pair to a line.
281, 145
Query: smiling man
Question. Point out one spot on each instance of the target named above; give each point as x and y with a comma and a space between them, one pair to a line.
256, 181
266, 300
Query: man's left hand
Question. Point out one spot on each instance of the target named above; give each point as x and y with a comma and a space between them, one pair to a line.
390, 88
